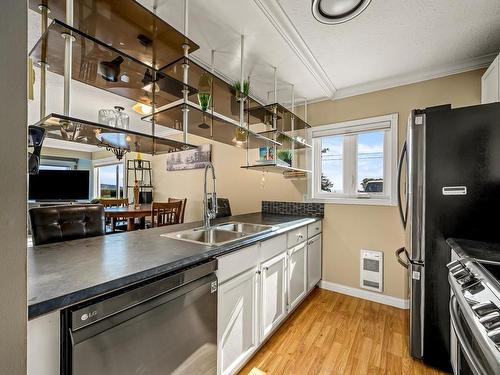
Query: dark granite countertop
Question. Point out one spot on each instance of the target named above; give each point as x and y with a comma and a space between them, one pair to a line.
475, 249
65, 273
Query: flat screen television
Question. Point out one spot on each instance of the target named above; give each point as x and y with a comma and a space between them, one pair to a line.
55, 185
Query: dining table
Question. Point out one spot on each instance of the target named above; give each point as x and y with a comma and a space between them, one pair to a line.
130, 213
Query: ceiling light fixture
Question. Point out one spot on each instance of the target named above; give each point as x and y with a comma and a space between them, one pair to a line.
142, 109
333, 12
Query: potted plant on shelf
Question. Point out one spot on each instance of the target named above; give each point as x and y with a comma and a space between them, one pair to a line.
241, 92
285, 155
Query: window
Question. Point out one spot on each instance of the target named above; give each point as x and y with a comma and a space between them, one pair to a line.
355, 162
109, 180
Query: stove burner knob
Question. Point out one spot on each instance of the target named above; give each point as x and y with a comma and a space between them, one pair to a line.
467, 281
454, 264
454, 269
484, 308
495, 335
460, 273
491, 321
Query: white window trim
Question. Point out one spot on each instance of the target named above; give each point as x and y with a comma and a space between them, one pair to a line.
390, 122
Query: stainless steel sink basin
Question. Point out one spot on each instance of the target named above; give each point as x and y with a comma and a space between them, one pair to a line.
220, 234
246, 228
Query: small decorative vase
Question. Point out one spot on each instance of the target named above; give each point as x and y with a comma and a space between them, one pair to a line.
136, 194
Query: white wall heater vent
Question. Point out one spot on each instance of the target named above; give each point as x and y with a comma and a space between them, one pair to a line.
372, 270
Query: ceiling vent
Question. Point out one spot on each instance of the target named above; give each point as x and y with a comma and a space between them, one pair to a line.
333, 12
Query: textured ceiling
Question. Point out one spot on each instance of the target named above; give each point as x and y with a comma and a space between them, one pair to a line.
391, 42
399, 37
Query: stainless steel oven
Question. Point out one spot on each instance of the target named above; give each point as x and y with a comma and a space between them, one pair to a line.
163, 326
475, 319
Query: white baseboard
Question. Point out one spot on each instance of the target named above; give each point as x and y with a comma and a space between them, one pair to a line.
365, 294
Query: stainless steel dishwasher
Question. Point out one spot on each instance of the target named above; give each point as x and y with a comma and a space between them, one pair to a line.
164, 326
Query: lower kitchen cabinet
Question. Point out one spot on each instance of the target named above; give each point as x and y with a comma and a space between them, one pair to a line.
237, 320
297, 274
259, 286
313, 261
273, 294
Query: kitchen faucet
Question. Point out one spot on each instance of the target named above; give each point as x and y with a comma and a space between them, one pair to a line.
209, 213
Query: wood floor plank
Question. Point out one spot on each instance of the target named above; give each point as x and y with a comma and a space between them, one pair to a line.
335, 334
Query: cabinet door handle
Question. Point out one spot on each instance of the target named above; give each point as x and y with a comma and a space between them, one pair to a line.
258, 272
265, 268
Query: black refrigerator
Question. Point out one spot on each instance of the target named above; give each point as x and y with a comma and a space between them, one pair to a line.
449, 186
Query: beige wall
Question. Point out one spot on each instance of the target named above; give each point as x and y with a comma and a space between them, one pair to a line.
13, 313
349, 228
245, 189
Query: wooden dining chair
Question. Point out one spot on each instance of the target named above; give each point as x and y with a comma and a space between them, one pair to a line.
165, 213
183, 207
115, 223
114, 202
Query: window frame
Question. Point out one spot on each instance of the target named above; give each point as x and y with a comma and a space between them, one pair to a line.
104, 162
350, 130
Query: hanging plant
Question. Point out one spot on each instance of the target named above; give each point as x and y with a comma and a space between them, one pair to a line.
241, 93
204, 91
286, 156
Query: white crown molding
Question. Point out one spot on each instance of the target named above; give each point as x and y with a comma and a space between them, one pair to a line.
282, 23
425, 75
365, 294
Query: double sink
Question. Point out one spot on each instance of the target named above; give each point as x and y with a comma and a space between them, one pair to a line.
221, 233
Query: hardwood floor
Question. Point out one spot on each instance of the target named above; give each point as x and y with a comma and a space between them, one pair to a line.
331, 333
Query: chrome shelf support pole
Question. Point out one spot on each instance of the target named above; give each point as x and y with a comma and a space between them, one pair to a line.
68, 59
44, 12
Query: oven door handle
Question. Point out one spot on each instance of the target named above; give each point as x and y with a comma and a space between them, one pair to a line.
465, 347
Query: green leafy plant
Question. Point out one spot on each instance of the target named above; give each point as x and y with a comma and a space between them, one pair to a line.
285, 155
204, 100
241, 92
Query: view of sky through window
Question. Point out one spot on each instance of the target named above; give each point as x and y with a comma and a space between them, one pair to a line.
370, 161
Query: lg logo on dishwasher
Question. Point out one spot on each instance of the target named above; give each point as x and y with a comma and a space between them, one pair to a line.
86, 316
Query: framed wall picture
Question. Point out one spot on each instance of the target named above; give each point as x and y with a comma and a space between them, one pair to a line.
189, 159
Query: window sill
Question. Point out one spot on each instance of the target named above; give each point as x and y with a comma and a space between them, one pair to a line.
354, 201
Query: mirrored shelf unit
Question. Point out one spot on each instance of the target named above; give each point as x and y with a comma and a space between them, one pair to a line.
207, 89
210, 124
291, 151
76, 130
99, 65
126, 26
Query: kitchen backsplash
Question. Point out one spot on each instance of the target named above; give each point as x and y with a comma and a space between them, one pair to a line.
294, 208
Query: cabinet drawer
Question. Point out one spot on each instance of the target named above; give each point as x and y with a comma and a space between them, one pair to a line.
272, 247
314, 229
235, 263
296, 236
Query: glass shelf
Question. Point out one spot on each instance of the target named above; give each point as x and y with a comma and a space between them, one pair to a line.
222, 95
284, 119
91, 133
101, 66
273, 167
125, 25
286, 139
211, 125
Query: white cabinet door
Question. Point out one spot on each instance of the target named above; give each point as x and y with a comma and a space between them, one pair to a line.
273, 294
313, 261
297, 274
490, 83
237, 321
